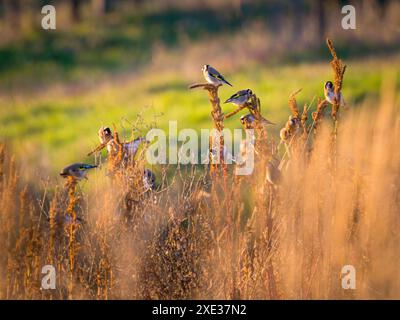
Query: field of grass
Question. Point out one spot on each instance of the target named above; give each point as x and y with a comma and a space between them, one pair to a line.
218, 236
59, 87
61, 125
202, 232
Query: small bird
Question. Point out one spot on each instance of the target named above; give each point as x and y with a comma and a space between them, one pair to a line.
76, 170
106, 139
149, 180
132, 146
293, 125
247, 121
105, 134
213, 76
240, 97
329, 92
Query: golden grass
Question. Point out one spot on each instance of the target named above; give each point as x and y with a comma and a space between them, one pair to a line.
200, 236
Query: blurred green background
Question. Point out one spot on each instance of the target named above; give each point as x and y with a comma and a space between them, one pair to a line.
130, 63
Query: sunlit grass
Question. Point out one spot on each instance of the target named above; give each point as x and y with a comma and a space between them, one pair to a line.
66, 124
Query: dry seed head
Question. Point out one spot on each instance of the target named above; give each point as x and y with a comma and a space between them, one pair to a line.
319, 113
293, 103
338, 71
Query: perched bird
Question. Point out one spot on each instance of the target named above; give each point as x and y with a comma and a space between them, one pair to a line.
240, 97
294, 125
213, 76
329, 92
105, 134
149, 180
76, 170
132, 146
106, 139
273, 175
247, 121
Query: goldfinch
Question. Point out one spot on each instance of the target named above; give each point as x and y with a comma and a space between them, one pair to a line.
213, 76
247, 121
293, 125
329, 92
76, 170
240, 97
149, 180
130, 148
105, 135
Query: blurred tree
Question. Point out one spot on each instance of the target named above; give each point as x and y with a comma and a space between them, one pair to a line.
12, 10
320, 11
382, 6
107, 5
103, 6
1, 8
296, 10
76, 9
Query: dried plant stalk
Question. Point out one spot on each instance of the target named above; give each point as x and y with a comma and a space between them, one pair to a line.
97, 149
293, 104
218, 120
319, 113
338, 72
304, 117
71, 185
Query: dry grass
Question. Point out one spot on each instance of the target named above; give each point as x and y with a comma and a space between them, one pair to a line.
201, 236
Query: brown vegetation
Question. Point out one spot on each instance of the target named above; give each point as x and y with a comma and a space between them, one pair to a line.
199, 237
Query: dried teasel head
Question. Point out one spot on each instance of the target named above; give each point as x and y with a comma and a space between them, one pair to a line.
319, 113
293, 104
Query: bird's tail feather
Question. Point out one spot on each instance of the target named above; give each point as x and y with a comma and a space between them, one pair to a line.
227, 83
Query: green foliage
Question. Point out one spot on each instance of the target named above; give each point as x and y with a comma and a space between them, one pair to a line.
62, 123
